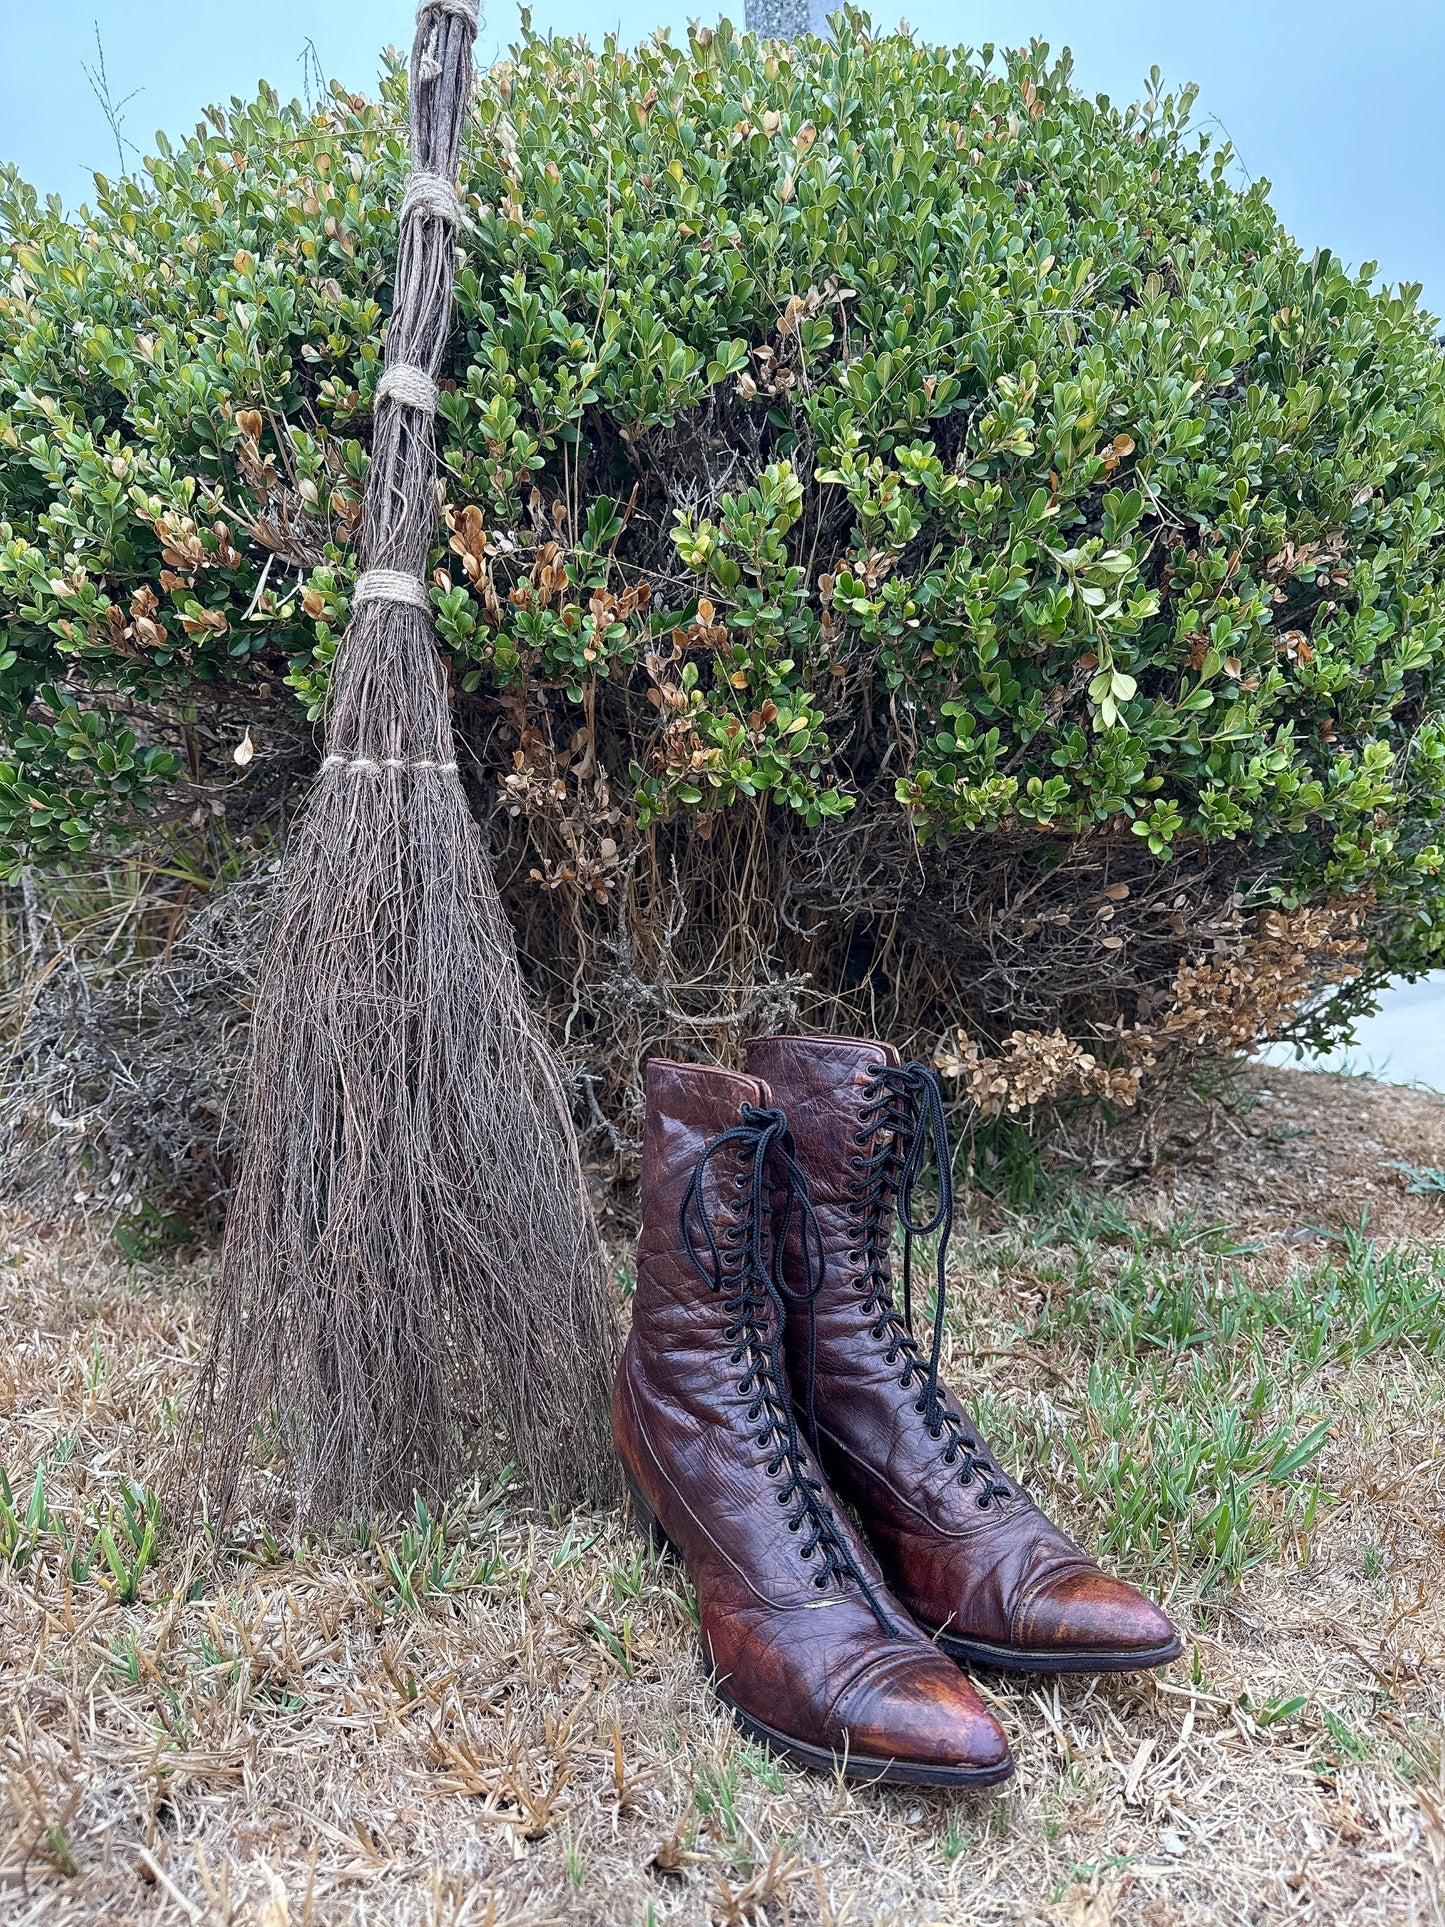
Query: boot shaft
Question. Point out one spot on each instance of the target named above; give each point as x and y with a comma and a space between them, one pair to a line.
688, 1107
856, 1359
844, 1123
831, 1090
679, 1316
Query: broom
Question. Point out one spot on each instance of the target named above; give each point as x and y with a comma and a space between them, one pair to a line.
410, 1259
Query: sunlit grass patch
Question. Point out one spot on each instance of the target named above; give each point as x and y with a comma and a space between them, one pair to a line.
109, 1542
436, 1556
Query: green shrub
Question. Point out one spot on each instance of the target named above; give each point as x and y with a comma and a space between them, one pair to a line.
890, 433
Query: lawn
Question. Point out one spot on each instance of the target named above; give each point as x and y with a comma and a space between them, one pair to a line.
1227, 1377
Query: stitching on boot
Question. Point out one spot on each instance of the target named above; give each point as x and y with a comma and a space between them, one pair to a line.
963, 1535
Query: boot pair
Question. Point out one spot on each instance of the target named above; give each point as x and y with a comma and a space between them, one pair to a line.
770, 1367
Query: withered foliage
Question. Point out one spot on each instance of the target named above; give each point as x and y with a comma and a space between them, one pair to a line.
1036, 971
1041, 977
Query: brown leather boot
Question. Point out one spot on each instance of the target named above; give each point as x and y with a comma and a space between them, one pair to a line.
966, 1550
800, 1636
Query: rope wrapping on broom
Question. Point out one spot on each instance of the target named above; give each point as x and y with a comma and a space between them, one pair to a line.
374, 765
432, 194
391, 585
404, 383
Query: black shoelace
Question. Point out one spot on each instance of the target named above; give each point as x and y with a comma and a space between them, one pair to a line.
751, 1282
903, 1115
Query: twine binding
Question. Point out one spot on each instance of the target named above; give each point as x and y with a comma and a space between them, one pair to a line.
467, 11
391, 585
404, 382
431, 194
373, 766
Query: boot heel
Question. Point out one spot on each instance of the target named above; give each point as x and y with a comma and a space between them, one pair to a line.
646, 1519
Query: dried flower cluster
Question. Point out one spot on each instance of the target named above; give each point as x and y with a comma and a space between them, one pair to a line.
1258, 988
1031, 1067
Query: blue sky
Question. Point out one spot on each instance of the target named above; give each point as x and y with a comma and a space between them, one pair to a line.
1336, 103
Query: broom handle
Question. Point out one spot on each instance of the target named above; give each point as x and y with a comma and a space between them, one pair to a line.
399, 511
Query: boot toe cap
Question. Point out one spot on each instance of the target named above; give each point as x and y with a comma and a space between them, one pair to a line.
918, 1709
1088, 1613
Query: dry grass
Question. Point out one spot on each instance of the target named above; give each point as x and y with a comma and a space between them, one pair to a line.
497, 1717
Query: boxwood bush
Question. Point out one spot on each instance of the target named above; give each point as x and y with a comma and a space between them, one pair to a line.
920, 543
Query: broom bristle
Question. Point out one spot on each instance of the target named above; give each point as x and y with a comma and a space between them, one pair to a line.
410, 1262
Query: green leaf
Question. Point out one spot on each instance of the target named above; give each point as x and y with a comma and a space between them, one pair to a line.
1300, 1454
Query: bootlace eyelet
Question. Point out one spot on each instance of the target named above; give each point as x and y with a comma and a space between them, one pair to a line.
935, 1431
821, 1581
982, 1502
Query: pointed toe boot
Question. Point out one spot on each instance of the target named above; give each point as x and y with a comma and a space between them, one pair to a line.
800, 1636
974, 1560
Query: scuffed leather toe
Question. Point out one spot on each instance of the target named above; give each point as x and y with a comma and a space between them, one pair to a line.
918, 1708
1088, 1612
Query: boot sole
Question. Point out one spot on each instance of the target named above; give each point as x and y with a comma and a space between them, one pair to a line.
852, 1766
818, 1759
1023, 1659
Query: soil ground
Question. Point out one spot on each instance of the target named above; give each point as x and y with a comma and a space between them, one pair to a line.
1305, 1148
1222, 1377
